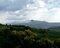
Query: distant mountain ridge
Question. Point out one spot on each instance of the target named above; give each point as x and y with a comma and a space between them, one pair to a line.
38, 24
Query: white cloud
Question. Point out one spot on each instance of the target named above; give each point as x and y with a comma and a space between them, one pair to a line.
37, 10
55, 15
51, 0
3, 17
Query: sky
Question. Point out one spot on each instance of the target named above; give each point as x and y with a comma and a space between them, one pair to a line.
24, 10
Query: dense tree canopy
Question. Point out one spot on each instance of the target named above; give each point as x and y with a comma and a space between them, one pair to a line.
26, 37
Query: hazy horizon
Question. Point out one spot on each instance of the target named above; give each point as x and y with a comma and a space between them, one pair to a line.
24, 10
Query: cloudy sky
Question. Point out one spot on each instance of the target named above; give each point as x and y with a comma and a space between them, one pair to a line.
24, 10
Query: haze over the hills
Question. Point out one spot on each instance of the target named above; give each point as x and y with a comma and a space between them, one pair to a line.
37, 24
23, 10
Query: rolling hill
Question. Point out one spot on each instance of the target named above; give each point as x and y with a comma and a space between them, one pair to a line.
37, 24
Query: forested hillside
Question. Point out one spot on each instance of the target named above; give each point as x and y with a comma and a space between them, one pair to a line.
20, 36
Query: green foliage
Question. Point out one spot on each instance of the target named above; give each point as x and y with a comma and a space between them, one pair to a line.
26, 37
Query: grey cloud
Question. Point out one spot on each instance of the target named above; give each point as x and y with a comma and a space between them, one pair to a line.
7, 5
24, 12
14, 18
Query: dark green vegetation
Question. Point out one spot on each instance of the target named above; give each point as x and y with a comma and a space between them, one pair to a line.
19, 36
